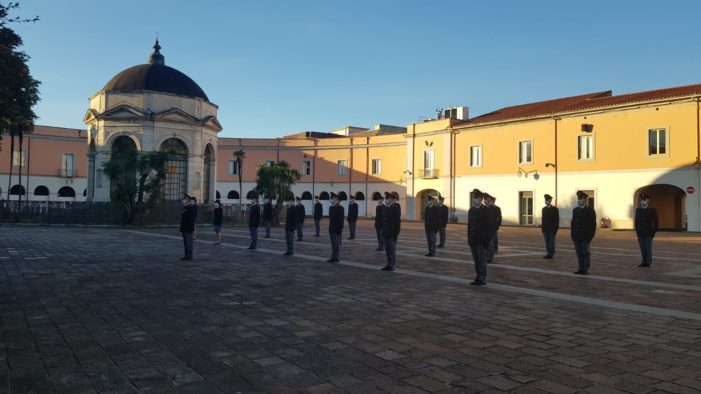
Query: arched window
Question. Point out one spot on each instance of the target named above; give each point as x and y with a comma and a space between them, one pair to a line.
85, 192
233, 195
121, 149
376, 196
324, 196
17, 190
359, 196
251, 194
66, 191
218, 195
342, 196
175, 184
41, 191
306, 196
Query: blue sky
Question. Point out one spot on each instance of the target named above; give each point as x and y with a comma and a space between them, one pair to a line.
279, 67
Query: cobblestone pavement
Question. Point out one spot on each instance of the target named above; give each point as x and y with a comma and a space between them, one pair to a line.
114, 310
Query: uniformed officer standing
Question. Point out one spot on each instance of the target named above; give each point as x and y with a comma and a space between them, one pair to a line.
291, 222
582, 232
379, 216
301, 213
494, 222
336, 213
318, 214
646, 225
431, 224
478, 235
443, 220
549, 225
253, 222
352, 216
188, 216
390, 231
267, 216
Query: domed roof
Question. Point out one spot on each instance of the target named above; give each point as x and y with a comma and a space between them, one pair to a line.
155, 76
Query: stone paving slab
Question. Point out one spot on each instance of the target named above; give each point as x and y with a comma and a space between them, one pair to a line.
114, 310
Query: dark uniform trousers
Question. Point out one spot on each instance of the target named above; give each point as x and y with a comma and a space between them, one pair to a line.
441, 234
300, 226
645, 242
489, 252
187, 241
290, 239
317, 226
351, 226
480, 259
254, 236
391, 251
583, 254
267, 228
380, 239
431, 240
335, 245
549, 242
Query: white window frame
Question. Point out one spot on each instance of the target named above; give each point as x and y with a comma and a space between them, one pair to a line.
478, 163
376, 167
19, 158
306, 164
342, 167
233, 167
69, 172
666, 141
592, 147
431, 155
520, 151
533, 213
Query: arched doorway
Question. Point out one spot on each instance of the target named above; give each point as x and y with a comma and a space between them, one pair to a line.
121, 150
208, 171
670, 202
175, 184
422, 201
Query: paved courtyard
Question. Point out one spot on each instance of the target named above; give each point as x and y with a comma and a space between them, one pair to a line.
88, 310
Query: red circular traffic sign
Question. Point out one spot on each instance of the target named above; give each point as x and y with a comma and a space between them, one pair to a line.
690, 190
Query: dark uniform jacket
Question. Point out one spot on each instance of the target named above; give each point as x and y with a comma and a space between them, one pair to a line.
336, 213
301, 213
187, 219
551, 219
443, 217
479, 229
583, 224
291, 219
318, 211
254, 216
431, 218
218, 218
497, 212
379, 215
646, 222
268, 212
391, 222
352, 212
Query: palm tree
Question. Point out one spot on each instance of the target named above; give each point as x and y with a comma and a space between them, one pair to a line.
275, 181
240, 155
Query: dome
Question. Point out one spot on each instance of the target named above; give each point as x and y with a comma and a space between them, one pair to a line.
155, 76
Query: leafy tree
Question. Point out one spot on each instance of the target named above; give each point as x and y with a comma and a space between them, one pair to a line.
275, 181
136, 178
240, 155
19, 92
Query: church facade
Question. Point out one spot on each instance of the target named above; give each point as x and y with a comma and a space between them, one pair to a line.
614, 147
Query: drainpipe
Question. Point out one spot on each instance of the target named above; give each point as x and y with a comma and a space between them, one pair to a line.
556, 164
697, 165
350, 172
452, 169
314, 169
12, 154
19, 182
413, 170
29, 155
367, 170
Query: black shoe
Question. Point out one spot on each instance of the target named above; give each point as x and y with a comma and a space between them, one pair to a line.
489, 261
287, 254
380, 249
252, 248
332, 261
578, 272
547, 256
441, 246
478, 283
299, 239
267, 236
646, 265
316, 235
186, 258
429, 255
388, 268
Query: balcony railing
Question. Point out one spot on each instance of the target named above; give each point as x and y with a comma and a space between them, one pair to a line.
428, 173
66, 172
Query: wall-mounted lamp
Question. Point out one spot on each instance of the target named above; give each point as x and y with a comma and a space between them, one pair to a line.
525, 173
550, 165
408, 172
587, 127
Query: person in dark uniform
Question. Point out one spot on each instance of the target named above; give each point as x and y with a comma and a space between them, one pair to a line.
444, 213
647, 223
318, 214
431, 224
379, 216
336, 213
267, 216
352, 216
549, 225
493, 226
301, 213
291, 222
217, 221
187, 225
582, 232
391, 223
497, 212
478, 235
254, 222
